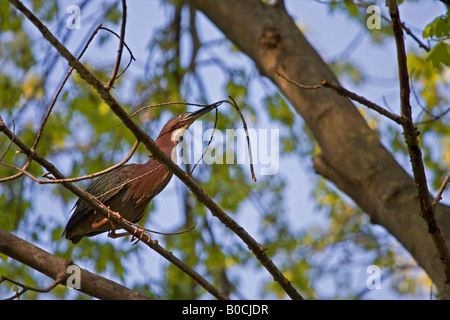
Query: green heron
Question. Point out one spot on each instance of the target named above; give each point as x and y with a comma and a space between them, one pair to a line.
129, 189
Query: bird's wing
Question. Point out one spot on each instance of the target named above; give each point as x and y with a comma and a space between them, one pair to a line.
107, 185
104, 188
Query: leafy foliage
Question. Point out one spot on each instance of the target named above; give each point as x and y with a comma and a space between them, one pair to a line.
439, 28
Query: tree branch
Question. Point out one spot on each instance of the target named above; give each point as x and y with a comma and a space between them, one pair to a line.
142, 136
54, 267
26, 288
94, 175
411, 138
346, 93
120, 50
441, 190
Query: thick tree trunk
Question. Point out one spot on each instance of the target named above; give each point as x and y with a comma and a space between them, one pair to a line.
352, 156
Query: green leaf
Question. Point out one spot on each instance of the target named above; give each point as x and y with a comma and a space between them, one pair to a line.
439, 27
440, 54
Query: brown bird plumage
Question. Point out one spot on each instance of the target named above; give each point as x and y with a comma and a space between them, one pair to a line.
129, 189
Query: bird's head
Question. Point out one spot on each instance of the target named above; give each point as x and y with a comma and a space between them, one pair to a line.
181, 122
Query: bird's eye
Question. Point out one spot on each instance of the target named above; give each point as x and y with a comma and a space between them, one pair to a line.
181, 116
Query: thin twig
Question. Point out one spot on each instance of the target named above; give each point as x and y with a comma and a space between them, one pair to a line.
302, 86
47, 114
10, 142
55, 98
26, 288
99, 173
416, 39
433, 117
441, 190
172, 103
344, 92
209, 142
56, 181
121, 43
132, 58
234, 104
164, 233
25, 166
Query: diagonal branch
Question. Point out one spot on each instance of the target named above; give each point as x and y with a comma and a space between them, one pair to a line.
441, 190
142, 136
49, 110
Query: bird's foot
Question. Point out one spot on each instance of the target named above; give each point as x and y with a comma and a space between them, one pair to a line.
140, 236
112, 234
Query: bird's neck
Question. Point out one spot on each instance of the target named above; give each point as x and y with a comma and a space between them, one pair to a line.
167, 143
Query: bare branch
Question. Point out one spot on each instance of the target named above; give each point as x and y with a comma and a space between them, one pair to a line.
25, 166
441, 190
121, 43
55, 98
346, 93
411, 139
26, 288
89, 176
94, 175
433, 117
46, 116
416, 39
129, 51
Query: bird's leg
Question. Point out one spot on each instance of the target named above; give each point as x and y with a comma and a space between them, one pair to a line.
112, 234
97, 224
141, 235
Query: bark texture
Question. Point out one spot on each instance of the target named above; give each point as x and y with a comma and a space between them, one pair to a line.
52, 266
352, 156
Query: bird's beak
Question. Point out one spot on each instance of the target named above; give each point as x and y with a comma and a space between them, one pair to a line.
197, 114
